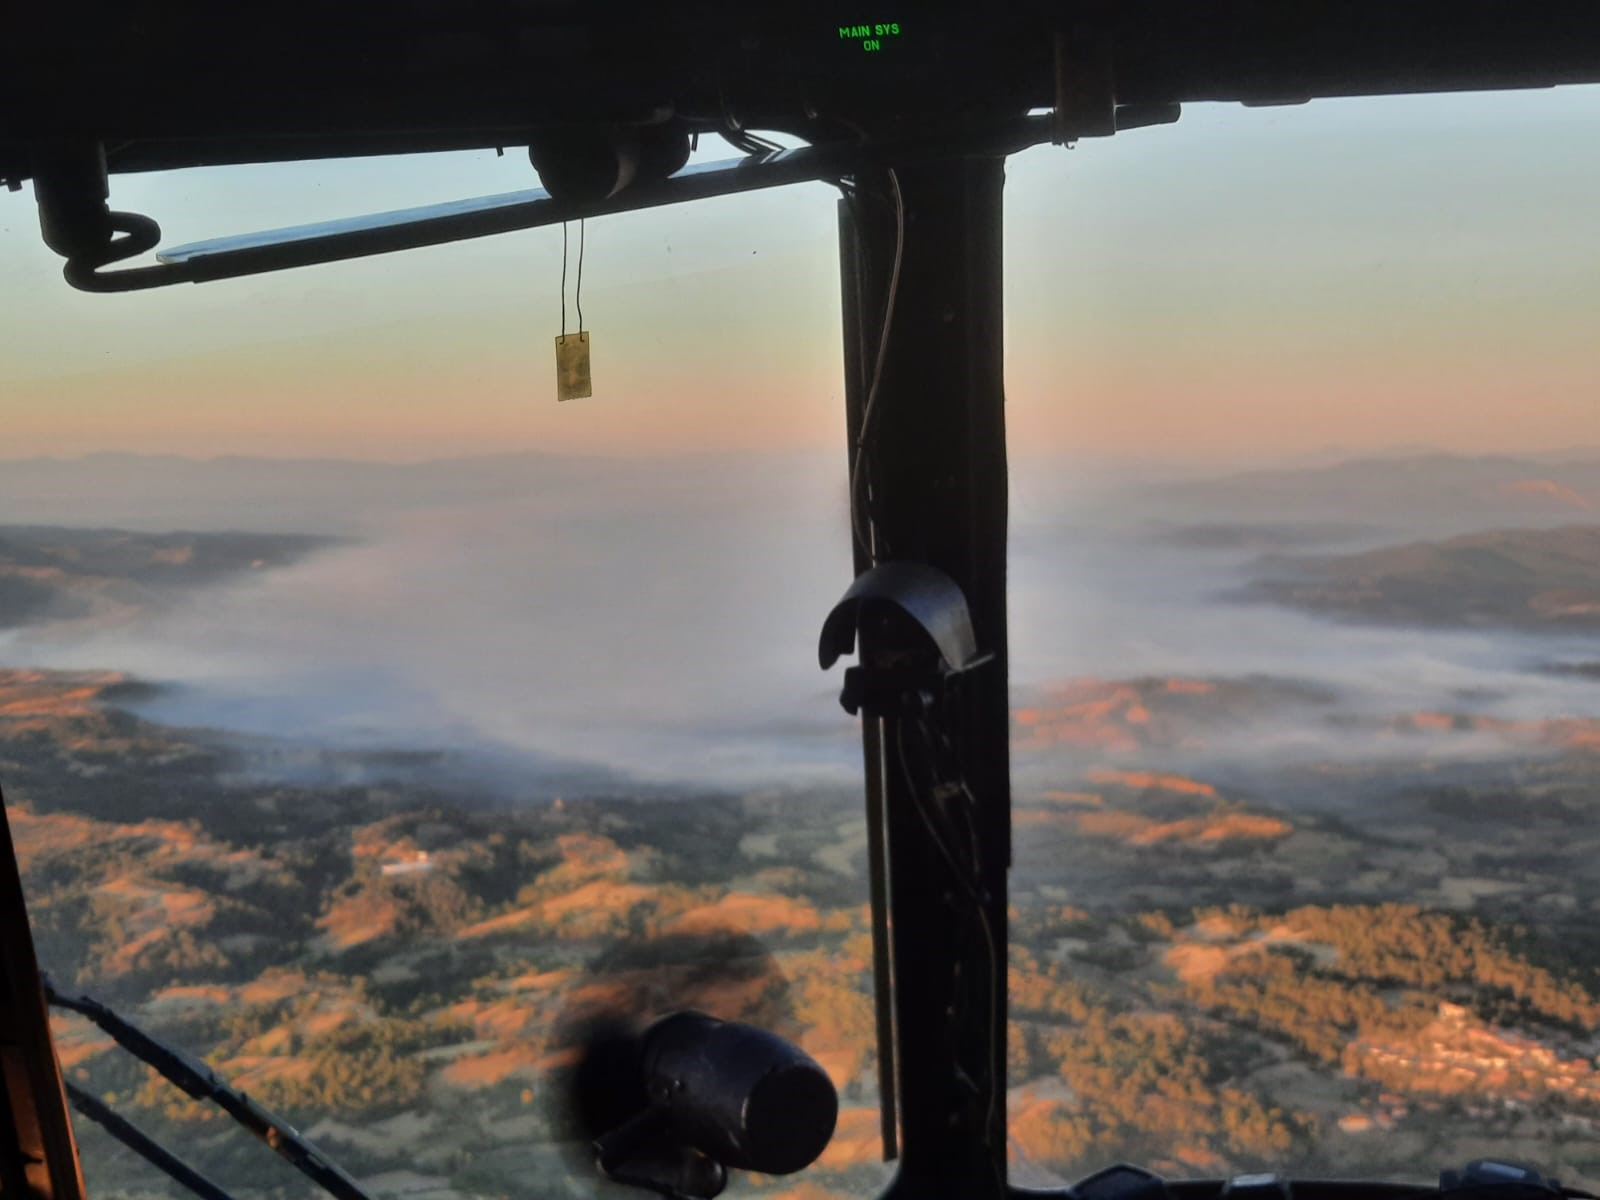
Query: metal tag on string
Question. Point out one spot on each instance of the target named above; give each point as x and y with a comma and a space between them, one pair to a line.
572, 350
572, 367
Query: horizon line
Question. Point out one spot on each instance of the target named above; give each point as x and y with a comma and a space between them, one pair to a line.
1313, 459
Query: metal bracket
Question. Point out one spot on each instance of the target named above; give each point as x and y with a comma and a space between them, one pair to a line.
433, 225
915, 636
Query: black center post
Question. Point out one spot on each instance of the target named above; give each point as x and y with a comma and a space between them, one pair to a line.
927, 454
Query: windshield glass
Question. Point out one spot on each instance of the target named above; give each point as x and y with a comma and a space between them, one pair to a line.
1304, 604
369, 721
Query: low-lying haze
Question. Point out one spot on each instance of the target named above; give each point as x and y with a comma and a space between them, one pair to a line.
658, 618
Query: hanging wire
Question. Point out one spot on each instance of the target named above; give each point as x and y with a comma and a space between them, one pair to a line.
866, 534
578, 289
578, 286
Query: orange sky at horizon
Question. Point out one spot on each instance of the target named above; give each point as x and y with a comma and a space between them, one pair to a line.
1245, 286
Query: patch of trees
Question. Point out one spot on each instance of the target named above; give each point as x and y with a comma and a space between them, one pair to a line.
364, 1069
1041, 991
425, 903
1403, 945
1143, 1082
1273, 991
1146, 1081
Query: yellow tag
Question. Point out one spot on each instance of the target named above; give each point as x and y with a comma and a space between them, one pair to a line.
572, 366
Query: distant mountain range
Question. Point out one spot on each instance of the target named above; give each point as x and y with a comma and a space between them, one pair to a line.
1546, 579
162, 492
1423, 494
1432, 495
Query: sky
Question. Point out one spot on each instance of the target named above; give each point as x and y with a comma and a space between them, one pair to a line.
1248, 285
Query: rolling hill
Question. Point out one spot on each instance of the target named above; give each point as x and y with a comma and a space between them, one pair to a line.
1543, 579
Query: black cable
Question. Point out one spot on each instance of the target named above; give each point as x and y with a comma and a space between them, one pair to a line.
936, 741
748, 143
564, 281
969, 877
968, 886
